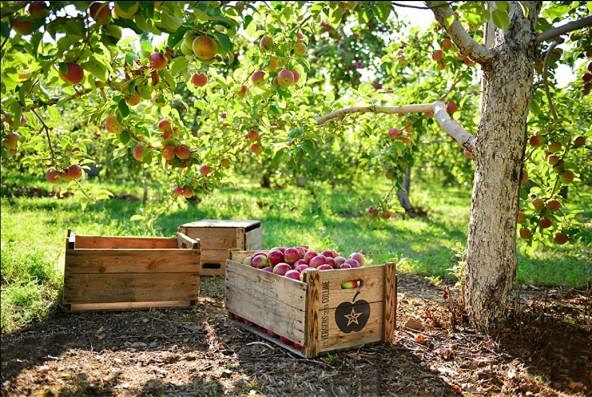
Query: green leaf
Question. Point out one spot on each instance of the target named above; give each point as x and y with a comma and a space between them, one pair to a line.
178, 66
224, 43
123, 108
125, 137
137, 218
177, 36
501, 19
278, 158
96, 67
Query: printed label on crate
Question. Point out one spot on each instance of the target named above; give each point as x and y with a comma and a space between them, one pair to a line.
352, 316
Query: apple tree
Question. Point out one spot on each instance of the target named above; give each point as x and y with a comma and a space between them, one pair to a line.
211, 85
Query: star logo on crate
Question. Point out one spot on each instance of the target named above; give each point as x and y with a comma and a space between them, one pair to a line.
352, 318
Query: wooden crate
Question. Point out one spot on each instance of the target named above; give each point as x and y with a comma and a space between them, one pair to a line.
218, 236
316, 314
115, 273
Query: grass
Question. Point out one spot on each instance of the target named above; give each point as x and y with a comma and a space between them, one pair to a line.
34, 230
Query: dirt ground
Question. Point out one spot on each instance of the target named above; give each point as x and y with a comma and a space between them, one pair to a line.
545, 350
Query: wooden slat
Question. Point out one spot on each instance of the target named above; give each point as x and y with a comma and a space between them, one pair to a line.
125, 242
130, 287
254, 239
212, 238
208, 269
372, 289
336, 339
214, 255
184, 241
71, 240
132, 260
313, 297
78, 307
241, 238
238, 255
390, 301
222, 223
266, 299
258, 283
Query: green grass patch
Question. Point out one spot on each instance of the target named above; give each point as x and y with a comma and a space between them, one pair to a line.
34, 231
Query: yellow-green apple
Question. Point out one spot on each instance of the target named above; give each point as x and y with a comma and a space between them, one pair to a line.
112, 124
567, 176
299, 48
537, 203
204, 48
126, 9
266, 42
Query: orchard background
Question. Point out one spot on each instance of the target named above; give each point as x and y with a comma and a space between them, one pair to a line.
135, 117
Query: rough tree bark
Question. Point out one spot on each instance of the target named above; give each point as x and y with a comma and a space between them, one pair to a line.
501, 139
403, 192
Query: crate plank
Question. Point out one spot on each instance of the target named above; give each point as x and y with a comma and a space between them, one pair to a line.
270, 338
280, 290
131, 260
213, 238
124, 242
313, 300
77, 307
390, 300
130, 287
254, 239
333, 338
214, 255
372, 289
223, 223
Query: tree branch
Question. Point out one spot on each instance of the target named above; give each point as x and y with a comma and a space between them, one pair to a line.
559, 30
460, 135
466, 44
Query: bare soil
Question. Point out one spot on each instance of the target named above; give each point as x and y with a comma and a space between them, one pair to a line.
544, 350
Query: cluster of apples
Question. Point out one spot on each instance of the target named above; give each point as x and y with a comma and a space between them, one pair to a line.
293, 262
587, 77
71, 173
374, 212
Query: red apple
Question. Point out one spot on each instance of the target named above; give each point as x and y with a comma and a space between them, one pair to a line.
158, 61
325, 266
329, 260
567, 176
259, 261
275, 257
317, 261
296, 76
299, 48
268, 269
309, 255
553, 204
243, 91
71, 72
257, 77
291, 255
358, 257
329, 253
545, 223
204, 170
266, 42
74, 172
22, 25
300, 267
285, 78
520, 217
177, 191
204, 47
187, 193
112, 124
345, 265
352, 262
164, 125
168, 152
372, 211
446, 43
553, 159
525, 233
560, 238
11, 140
394, 133
293, 274
199, 79
133, 100
252, 135
451, 107
138, 152
438, 55
281, 268
386, 214
37, 9
53, 176
182, 152
579, 141
256, 148
100, 12
339, 260
536, 140
468, 154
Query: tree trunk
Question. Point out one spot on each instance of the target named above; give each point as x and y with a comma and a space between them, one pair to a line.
403, 193
501, 140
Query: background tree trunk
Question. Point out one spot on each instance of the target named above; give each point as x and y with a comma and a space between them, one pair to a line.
501, 140
403, 193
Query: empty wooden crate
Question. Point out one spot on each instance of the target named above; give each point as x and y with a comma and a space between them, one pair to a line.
218, 236
318, 315
103, 273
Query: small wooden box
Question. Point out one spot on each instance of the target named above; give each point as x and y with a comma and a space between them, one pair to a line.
218, 236
318, 315
115, 273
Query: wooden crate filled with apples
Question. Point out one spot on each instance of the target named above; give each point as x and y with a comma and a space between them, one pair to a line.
311, 303
116, 273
